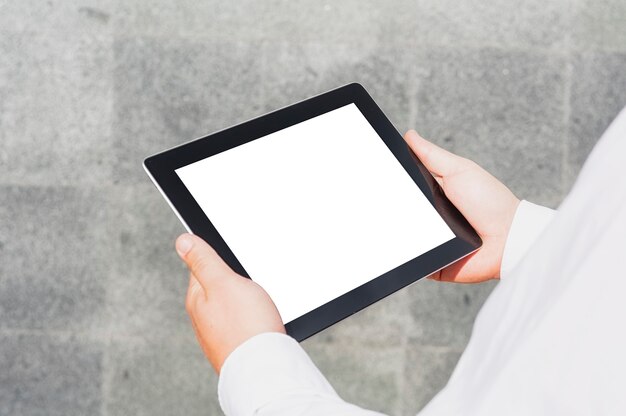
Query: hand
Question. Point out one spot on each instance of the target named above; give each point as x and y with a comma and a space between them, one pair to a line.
225, 308
485, 202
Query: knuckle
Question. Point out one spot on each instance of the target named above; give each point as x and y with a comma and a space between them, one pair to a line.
463, 164
426, 152
200, 264
469, 163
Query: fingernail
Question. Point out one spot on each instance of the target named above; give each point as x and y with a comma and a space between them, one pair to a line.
184, 244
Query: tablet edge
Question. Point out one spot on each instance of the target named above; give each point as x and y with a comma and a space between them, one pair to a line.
156, 184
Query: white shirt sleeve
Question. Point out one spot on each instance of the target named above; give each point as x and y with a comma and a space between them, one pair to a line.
529, 222
270, 374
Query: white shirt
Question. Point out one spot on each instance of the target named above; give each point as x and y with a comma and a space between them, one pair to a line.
550, 339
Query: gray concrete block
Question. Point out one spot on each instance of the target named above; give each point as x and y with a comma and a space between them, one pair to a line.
599, 25
55, 112
496, 22
443, 313
368, 376
251, 20
502, 109
155, 365
426, 371
160, 378
186, 18
295, 71
597, 96
146, 292
169, 91
76, 16
55, 254
42, 375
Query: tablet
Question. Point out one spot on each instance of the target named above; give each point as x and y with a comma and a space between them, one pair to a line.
321, 203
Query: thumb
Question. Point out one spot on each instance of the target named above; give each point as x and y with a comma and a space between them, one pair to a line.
203, 262
437, 160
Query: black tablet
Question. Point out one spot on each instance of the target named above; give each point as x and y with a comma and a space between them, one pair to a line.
322, 203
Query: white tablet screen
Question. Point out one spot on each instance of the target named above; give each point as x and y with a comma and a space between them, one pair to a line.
316, 209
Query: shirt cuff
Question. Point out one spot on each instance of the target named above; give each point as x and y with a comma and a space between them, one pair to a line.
265, 368
529, 222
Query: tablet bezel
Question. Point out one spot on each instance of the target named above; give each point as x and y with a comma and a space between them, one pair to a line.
161, 168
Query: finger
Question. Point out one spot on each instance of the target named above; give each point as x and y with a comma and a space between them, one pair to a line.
434, 276
192, 295
437, 160
195, 289
194, 292
453, 273
203, 262
470, 269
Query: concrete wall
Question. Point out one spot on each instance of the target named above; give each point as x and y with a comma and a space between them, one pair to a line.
92, 320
